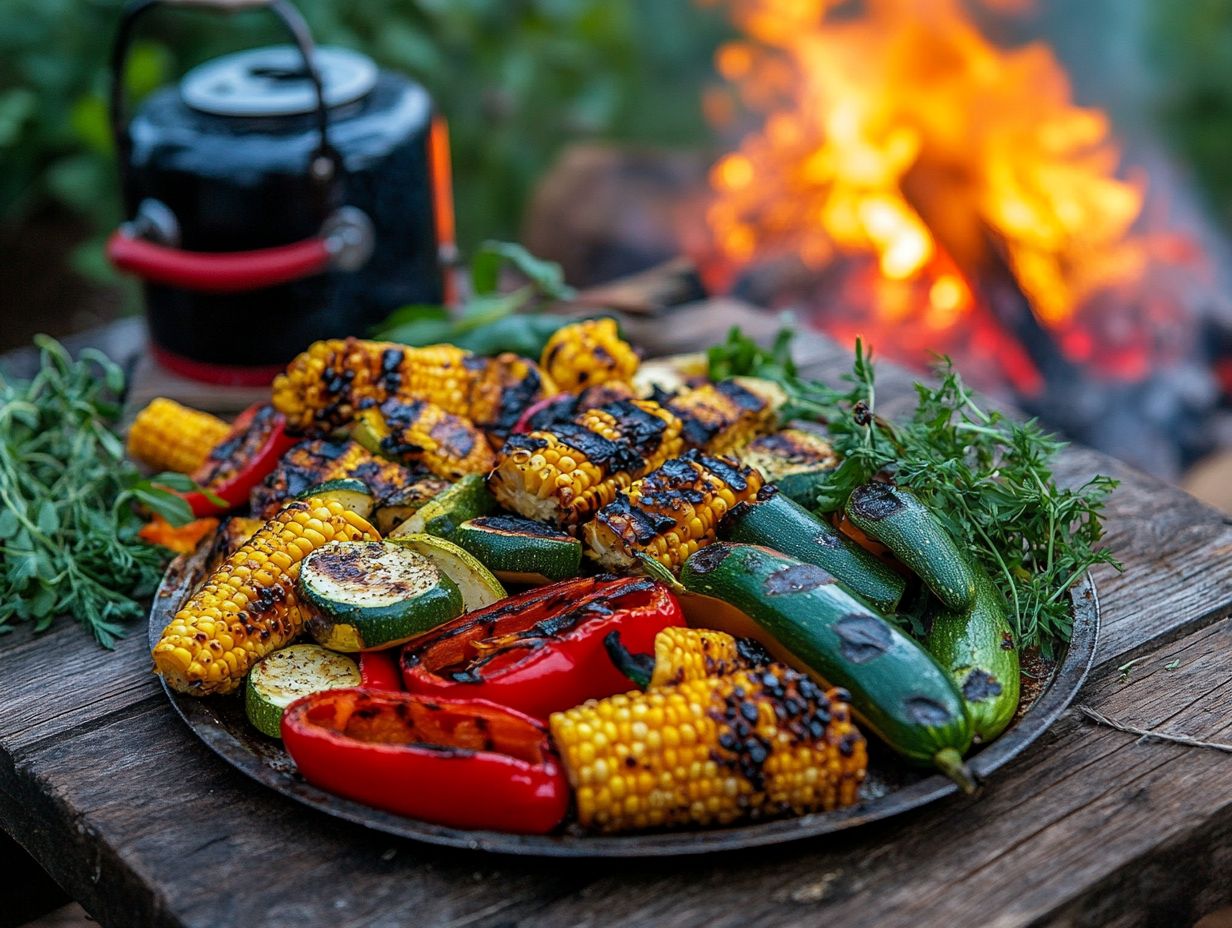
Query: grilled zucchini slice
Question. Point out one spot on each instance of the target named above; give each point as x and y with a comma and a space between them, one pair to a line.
374, 594
796, 459
520, 550
479, 586
466, 499
403, 503
286, 675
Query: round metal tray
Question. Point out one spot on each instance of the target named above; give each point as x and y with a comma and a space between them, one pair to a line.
891, 787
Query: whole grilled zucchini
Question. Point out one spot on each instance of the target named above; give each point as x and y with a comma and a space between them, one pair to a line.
971, 634
778, 522
805, 618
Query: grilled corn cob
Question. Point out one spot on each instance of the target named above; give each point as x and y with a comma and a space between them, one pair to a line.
229, 538
249, 606
747, 745
562, 475
683, 654
326, 385
317, 461
669, 513
586, 353
419, 432
719, 417
168, 436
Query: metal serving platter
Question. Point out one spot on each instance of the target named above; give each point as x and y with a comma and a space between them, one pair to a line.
891, 788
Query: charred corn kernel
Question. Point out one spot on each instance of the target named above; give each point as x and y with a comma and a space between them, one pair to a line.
317, 461
235, 619
748, 745
719, 417
168, 436
326, 385
422, 433
586, 353
564, 474
684, 654
670, 513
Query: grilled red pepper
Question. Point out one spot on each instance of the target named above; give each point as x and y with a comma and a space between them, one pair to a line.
542, 651
257, 441
379, 670
466, 764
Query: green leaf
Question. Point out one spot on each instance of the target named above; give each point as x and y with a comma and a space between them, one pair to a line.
171, 507
8, 524
492, 257
48, 520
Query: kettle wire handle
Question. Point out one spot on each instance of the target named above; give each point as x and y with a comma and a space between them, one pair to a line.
322, 167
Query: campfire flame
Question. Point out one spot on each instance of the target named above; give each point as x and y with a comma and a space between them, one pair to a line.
894, 135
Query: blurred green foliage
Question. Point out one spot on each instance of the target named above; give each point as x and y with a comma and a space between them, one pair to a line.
516, 79
1191, 43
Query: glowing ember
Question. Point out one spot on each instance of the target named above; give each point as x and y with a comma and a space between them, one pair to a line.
894, 135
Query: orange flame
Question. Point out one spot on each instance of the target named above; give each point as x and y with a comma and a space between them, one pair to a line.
904, 135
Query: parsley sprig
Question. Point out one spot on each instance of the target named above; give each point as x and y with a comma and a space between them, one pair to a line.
68, 523
987, 477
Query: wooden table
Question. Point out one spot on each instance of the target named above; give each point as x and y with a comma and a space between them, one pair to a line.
135, 818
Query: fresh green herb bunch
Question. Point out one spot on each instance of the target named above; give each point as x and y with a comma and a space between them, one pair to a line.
986, 477
68, 525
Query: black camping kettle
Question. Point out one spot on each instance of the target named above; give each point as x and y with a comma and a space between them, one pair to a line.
277, 196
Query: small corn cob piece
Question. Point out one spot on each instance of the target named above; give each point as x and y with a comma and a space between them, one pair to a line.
587, 353
419, 432
316, 461
249, 606
168, 436
670, 513
720, 417
562, 475
747, 745
682, 654
326, 385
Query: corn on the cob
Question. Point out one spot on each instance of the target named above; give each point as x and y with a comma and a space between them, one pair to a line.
168, 436
230, 537
670, 513
719, 417
586, 353
317, 461
685, 654
419, 432
249, 606
562, 475
326, 385
747, 745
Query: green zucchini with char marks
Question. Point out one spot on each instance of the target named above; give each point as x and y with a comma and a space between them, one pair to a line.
521, 550
897, 688
780, 523
971, 634
367, 595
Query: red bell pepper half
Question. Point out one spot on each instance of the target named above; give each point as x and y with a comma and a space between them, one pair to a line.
379, 670
257, 441
541, 652
465, 764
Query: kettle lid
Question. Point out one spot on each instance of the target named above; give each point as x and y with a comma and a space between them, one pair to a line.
271, 81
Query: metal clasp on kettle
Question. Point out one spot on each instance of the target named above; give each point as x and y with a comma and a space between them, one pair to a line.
148, 245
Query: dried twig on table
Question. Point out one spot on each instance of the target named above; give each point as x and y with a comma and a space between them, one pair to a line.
1151, 733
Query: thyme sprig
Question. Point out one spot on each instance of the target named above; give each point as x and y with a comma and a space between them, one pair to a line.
987, 477
68, 496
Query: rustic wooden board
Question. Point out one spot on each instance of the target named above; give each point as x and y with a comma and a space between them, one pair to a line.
1087, 828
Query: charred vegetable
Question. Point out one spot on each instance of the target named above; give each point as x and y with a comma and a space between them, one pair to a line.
374, 594
286, 675
796, 460
748, 745
420, 433
521, 550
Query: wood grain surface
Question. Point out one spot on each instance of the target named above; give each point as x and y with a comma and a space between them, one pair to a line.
140, 822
